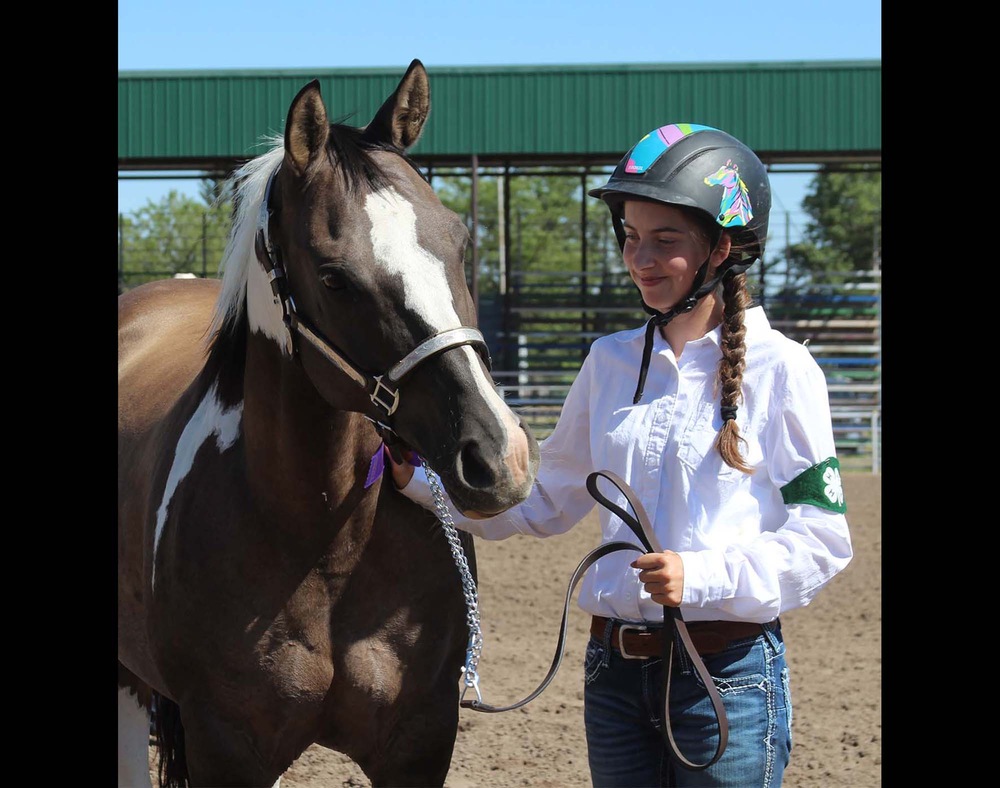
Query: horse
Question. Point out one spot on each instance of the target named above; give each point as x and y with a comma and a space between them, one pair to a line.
274, 589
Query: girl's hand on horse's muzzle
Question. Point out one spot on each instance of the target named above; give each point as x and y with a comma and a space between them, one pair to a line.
401, 465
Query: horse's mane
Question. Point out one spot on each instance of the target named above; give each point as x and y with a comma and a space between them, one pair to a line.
247, 186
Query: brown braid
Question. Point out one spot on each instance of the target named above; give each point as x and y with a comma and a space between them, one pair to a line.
736, 300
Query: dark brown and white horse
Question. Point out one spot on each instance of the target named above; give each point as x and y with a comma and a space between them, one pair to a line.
272, 588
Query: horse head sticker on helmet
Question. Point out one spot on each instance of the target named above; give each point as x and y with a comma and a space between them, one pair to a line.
735, 209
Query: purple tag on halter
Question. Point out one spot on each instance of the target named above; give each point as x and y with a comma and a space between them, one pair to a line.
375, 467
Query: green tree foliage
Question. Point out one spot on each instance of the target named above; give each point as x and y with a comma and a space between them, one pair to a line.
177, 234
844, 233
542, 233
532, 247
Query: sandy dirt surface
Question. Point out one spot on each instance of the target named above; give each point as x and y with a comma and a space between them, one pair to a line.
834, 654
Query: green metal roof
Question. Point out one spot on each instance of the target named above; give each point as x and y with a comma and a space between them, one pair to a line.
818, 111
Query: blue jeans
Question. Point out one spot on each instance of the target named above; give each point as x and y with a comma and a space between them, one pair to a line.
623, 711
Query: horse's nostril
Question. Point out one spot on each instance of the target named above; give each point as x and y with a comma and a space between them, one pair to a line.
473, 469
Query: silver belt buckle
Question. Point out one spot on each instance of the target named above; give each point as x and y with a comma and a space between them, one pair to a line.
621, 640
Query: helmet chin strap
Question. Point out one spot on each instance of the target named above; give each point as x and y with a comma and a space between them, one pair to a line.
699, 289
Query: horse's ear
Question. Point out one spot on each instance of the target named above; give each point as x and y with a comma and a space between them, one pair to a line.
306, 128
401, 118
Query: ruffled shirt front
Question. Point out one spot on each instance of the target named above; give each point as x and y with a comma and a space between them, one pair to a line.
748, 556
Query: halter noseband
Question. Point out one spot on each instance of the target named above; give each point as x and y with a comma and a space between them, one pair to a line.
382, 390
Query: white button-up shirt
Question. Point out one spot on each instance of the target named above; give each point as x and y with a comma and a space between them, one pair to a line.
747, 555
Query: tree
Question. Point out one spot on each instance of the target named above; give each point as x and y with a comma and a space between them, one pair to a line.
844, 233
177, 234
544, 224
531, 248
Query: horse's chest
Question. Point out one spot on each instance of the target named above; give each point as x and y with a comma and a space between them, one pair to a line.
297, 671
372, 667
302, 671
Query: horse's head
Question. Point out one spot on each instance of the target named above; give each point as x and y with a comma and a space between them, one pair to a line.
726, 175
369, 293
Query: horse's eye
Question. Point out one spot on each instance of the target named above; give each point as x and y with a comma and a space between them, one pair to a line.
333, 281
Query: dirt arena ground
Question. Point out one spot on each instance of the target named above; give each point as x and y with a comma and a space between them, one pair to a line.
834, 652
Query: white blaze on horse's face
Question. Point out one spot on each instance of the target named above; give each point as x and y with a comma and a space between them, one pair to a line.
210, 419
397, 250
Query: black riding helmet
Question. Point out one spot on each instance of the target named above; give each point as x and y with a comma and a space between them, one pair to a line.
706, 169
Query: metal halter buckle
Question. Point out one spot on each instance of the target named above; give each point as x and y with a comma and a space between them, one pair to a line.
621, 639
389, 407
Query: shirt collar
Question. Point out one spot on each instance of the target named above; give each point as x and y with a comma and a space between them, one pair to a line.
754, 320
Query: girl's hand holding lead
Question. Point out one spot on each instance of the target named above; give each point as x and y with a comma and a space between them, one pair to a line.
662, 575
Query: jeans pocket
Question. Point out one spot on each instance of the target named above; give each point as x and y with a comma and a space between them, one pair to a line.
593, 661
787, 692
740, 668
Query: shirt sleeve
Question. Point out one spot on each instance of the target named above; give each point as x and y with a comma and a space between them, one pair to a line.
558, 499
783, 569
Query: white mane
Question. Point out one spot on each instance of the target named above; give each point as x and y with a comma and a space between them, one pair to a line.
249, 183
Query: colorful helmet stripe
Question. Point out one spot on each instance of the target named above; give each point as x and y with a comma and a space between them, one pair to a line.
653, 145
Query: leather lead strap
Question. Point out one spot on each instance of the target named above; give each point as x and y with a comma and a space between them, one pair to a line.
589, 560
644, 532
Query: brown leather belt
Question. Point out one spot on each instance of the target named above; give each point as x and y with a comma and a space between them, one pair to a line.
637, 641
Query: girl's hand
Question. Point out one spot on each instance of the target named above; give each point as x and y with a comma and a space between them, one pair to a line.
662, 575
402, 472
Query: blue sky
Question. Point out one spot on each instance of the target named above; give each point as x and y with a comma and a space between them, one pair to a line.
209, 34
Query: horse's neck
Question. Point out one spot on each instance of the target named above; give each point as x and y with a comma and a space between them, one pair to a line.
736, 195
298, 447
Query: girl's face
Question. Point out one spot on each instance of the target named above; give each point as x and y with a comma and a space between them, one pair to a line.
664, 250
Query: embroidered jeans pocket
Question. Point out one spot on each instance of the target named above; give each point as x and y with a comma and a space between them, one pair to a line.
593, 661
786, 686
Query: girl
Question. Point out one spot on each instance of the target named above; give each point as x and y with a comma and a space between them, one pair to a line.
721, 427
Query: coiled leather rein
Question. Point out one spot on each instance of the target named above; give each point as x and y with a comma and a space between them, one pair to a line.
641, 527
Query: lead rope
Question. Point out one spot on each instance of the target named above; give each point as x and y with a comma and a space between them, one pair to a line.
470, 671
642, 528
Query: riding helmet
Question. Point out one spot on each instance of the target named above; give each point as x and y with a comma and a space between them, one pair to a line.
700, 167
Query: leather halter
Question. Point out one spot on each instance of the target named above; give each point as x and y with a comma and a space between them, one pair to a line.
382, 390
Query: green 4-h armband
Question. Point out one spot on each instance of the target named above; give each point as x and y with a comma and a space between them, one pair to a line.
819, 485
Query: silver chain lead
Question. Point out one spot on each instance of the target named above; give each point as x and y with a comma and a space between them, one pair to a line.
475, 647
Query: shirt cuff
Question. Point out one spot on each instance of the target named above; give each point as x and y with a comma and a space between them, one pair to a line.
699, 568
502, 526
418, 489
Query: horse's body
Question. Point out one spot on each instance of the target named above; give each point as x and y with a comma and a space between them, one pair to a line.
267, 585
